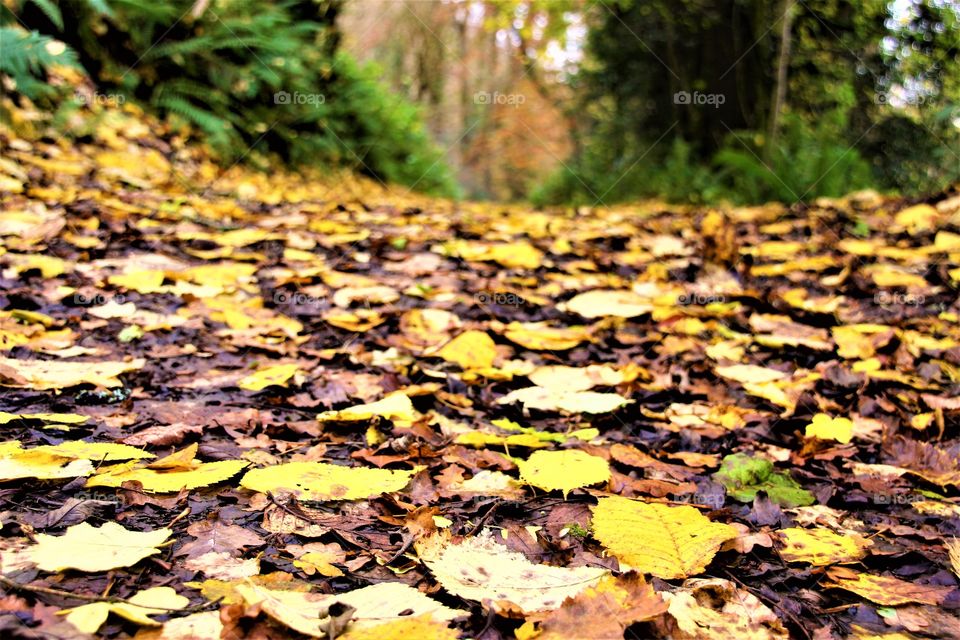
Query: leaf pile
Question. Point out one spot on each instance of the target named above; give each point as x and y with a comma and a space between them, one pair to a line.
247, 405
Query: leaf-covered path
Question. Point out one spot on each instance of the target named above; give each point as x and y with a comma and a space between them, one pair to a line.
239, 404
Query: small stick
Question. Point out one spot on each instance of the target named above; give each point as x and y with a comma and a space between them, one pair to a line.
16, 586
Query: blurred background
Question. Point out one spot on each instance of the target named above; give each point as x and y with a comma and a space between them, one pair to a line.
554, 101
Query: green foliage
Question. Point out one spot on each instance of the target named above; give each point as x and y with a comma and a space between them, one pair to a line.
810, 161
743, 477
252, 79
26, 57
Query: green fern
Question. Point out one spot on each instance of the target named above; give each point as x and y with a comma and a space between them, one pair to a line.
26, 57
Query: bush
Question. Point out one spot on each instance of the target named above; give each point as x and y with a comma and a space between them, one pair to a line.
809, 161
251, 77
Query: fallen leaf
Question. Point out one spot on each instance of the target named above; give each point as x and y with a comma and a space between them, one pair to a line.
322, 481
668, 542
821, 546
87, 548
887, 590
278, 375
744, 476
479, 569
138, 609
308, 613
43, 375
563, 470
470, 350
711, 608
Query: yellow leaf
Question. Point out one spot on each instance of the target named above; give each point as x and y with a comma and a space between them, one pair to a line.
539, 336
563, 470
87, 548
96, 451
921, 217
320, 561
406, 628
480, 569
546, 399
43, 375
470, 350
395, 406
513, 255
821, 547
953, 548
750, 373
57, 418
167, 481
48, 266
375, 605
16, 465
359, 320
601, 303
564, 378
668, 542
143, 281
156, 601
267, 376
826, 428
887, 590
322, 481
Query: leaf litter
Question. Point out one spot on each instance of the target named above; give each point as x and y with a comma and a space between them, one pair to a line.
248, 405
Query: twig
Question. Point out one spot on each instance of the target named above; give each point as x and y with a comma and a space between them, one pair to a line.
16, 586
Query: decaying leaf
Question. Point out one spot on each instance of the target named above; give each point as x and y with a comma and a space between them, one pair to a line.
886, 590
710, 608
480, 569
821, 546
379, 604
598, 612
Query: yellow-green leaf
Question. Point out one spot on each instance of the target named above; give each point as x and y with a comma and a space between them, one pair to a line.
563, 470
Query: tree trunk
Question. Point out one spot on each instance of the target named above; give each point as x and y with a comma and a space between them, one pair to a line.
780, 88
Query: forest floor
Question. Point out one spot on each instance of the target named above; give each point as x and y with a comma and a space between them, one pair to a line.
239, 404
